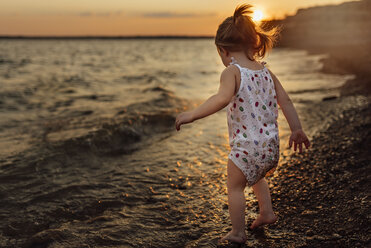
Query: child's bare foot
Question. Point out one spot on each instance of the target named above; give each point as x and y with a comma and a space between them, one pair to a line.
235, 237
264, 219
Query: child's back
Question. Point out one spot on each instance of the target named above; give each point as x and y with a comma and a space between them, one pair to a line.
252, 124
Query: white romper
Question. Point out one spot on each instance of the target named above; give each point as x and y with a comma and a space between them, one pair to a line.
252, 124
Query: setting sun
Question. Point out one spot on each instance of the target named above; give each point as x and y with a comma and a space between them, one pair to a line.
258, 15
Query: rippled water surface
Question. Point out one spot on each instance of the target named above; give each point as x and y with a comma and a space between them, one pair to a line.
88, 151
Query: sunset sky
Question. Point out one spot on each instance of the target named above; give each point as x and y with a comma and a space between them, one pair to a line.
127, 17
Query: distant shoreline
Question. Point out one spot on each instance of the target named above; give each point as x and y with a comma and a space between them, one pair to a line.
104, 37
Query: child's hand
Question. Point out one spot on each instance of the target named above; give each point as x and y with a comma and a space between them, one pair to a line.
183, 118
298, 137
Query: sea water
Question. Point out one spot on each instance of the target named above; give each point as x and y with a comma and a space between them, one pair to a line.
89, 155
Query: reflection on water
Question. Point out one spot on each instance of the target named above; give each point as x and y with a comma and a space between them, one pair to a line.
88, 150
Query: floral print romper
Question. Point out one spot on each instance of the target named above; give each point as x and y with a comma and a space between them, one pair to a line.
252, 124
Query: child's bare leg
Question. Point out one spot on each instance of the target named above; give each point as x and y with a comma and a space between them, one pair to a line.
266, 214
236, 183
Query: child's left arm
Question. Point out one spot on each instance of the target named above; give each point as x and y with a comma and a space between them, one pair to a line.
215, 102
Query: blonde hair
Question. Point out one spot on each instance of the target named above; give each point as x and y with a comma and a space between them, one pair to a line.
240, 33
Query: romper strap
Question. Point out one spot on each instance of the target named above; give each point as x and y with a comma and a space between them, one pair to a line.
239, 67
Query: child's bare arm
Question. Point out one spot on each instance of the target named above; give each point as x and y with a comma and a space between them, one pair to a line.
215, 102
298, 136
286, 105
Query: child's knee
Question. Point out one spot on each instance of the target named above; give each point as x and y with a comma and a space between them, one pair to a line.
235, 186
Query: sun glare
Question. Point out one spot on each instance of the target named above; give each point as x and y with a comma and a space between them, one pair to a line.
257, 15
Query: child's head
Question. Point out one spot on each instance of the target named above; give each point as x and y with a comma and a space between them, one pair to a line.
240, 33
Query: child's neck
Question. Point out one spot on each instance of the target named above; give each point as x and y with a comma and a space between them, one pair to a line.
241, 56
243, 60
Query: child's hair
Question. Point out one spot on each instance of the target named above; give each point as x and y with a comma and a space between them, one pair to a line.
240, 33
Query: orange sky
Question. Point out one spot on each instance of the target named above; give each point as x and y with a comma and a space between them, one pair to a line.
126, 17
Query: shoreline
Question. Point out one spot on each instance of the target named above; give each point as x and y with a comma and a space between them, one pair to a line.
342, 60
348, 59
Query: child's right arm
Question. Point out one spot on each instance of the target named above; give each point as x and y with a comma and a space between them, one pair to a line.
297, 134
214, 103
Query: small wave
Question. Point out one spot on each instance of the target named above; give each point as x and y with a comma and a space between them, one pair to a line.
311, 90
13, 100
157, 89
156, 76
73, 79
6, 61
15, 64
135, 123
139, 78
203, 72
96, 97
110, 139
46, 237
166, 74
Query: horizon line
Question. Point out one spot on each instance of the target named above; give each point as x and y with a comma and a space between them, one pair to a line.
106, 36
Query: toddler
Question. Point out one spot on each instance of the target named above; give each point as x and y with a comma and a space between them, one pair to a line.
251, 94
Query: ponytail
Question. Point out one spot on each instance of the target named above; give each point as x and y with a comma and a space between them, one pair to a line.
265, 42
241, 11
240, 33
